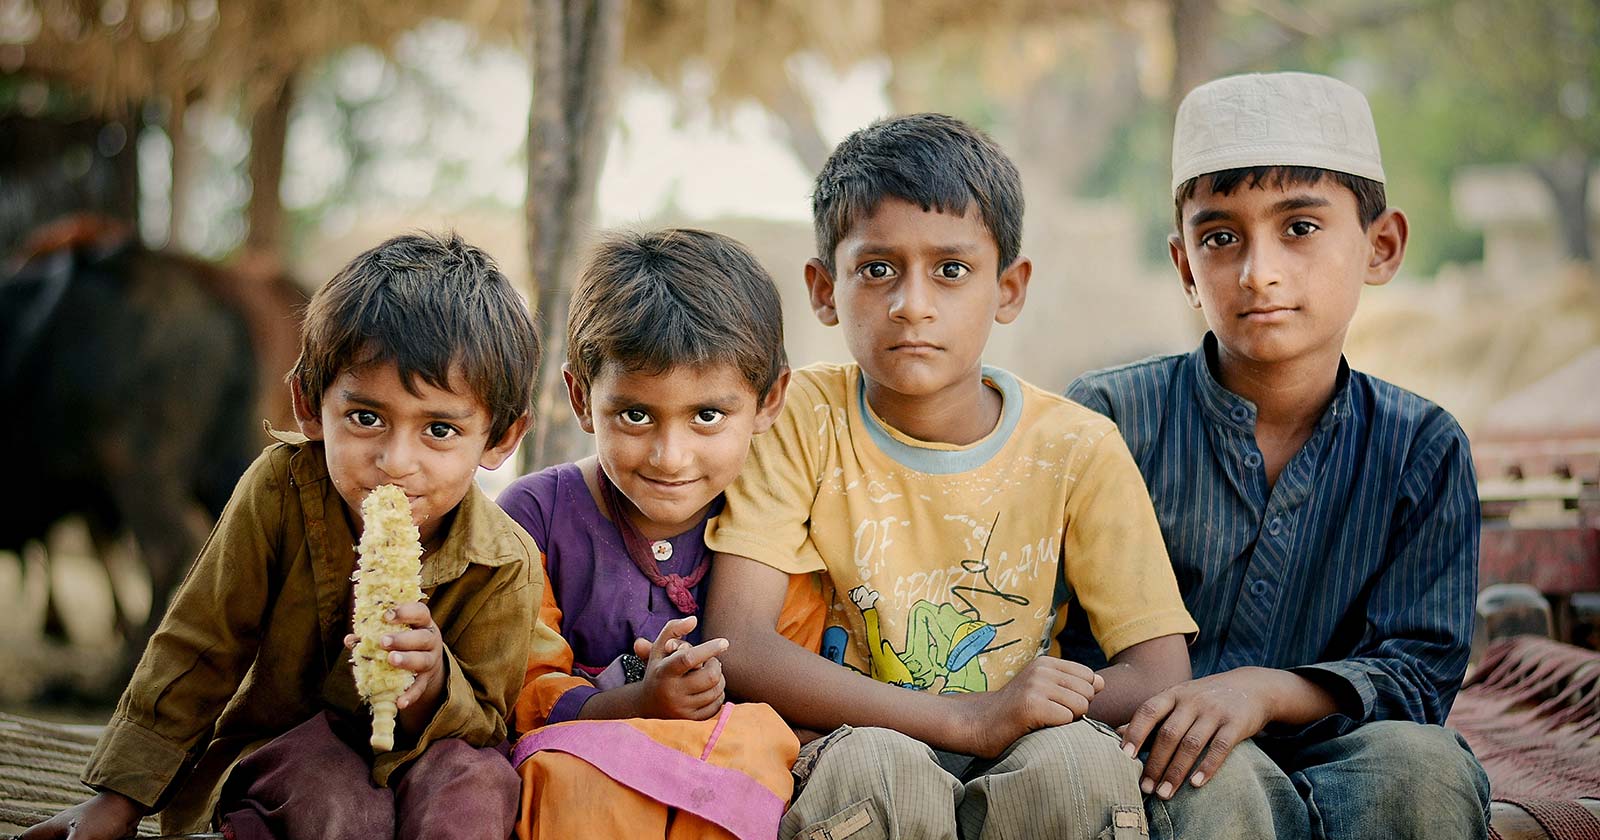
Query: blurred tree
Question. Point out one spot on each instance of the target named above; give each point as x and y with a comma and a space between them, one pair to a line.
577, 50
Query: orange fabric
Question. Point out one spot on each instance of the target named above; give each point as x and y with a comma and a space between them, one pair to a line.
549, 672
564, 796
805, 610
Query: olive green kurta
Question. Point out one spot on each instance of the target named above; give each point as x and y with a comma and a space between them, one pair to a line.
253, 643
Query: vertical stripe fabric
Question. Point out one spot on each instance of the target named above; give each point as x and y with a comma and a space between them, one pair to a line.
1357, 570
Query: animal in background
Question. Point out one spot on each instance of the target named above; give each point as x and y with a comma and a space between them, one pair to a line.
134, 382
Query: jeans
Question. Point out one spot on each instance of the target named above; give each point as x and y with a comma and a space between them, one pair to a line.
1387, 779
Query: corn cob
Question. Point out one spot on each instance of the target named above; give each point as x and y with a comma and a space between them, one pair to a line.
389, 574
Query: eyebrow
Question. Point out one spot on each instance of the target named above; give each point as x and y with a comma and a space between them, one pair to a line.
720, 402
869, 249
1288, 205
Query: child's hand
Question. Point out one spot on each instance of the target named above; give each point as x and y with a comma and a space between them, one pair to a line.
419, 650
107, 815
681, 681
1219, 712
1047, 692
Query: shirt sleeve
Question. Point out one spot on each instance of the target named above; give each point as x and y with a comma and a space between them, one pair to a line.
1413, 654
485, 647
204, 646
767, 515
1083, 392
551, 693
1115, 560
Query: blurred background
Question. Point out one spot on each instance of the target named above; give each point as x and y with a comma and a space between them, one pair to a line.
177, 175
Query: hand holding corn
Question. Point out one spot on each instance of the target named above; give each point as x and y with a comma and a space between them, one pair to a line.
389, 617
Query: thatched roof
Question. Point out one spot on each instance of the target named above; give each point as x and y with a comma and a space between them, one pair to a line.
126, 51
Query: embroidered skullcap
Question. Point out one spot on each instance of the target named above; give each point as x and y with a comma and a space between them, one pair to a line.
1274, 119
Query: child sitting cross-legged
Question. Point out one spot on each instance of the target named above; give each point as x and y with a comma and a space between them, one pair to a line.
674, 362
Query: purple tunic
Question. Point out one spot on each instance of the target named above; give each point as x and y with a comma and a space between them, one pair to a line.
605, 601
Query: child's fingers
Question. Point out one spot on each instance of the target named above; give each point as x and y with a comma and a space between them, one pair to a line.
414, 614
642, 648
425, 639
350, 640
674, 629
704, 704
416, 661
687, 659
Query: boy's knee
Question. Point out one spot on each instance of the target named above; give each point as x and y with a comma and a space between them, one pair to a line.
1063, 781
1353, 781
454, 762
871, 782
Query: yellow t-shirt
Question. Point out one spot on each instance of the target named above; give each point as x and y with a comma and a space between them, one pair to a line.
954, 566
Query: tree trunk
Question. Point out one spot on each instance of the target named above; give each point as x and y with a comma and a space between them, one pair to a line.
577, 48
1193, 52
181, 192
798, 117
269, 130
1567, 179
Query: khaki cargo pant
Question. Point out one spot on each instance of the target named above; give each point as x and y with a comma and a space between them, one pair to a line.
1071, 782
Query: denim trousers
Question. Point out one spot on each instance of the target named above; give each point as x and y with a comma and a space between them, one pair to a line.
1386, 779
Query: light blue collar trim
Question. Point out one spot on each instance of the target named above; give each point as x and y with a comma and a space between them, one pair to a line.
948, 461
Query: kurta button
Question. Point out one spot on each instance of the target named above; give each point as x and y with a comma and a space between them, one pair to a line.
1240, 414
1252, 460
1260, 588
1275, 527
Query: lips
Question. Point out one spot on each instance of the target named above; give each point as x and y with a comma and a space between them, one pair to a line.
1268, 313
915, 347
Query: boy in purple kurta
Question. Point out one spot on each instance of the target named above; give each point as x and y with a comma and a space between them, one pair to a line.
674, 362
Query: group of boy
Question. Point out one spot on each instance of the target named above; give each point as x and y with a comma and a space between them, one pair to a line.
1219, 594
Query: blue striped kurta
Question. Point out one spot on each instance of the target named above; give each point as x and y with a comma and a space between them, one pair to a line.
1357, 570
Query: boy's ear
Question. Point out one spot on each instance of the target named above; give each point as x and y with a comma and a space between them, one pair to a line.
1013, 289
500, 450
579, 397
1180, 261
1387, 235
772, 403
819, 282
310, 422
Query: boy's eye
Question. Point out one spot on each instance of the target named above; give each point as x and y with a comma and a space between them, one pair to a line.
951, 271
442, 431
1302, 228
708, 417
365, 419
1219, 239
634, 416
877, 270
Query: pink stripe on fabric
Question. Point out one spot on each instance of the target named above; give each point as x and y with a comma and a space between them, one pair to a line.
719, 795
722, 723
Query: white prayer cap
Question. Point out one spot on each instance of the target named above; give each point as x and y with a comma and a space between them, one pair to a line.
1274, 119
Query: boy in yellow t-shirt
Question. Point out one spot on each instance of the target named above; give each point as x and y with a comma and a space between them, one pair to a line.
958, 512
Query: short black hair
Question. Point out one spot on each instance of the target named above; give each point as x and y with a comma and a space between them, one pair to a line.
654, 301
431, 304
1370, 198
932, 160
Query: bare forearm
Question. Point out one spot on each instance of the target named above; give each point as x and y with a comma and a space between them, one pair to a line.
617, 703
1291, 699
1136, 675
814, 693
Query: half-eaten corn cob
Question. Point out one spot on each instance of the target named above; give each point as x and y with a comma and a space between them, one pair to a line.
389, 574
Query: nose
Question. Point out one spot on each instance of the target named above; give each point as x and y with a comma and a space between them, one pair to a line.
912, 299
1263, 265
398, 458
670, 451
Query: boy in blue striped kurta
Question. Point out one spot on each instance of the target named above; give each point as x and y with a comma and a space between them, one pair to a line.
1323, 523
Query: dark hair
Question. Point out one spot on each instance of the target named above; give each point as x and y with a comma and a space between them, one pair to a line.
430, 304
931, 160
1370, 198
653, 301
